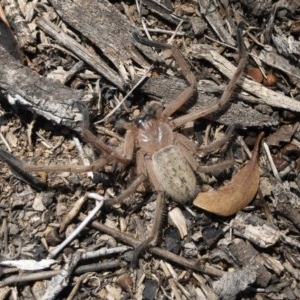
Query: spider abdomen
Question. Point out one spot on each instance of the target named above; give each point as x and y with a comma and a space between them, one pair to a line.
174, 174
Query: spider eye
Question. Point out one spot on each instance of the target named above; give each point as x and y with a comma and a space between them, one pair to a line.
148, 116
140, 120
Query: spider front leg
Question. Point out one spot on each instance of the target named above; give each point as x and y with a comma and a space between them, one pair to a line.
21, 169
216, 106
155, 230
96, 142
186, 94
17, 168
190, 77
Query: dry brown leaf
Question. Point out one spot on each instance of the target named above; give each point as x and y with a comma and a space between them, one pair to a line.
237, 194
256, 74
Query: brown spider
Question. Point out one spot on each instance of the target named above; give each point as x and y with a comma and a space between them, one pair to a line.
164, 157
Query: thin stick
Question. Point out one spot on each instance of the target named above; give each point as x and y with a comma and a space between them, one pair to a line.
84, 160
128, 94
17, 279
158, 30
5, 142
190, 264
271, 161
175, 32
90, 216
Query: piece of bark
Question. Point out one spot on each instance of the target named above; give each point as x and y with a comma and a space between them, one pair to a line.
283, 135
90, 58
162, 11
286, 202
8, 41
272, 263
43, 96
256, 230
279, 62
263, 95
166, 89
257, 8
245, 255
18, 23
105, 27
286, 45
198, 24
213, 17
231, 284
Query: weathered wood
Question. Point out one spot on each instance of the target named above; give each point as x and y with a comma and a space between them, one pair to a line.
43, 96
263, 94
17, 22
105, 27
245, 255
166, 89
8, 41
279, 62
162, 11
90, 58
213, 16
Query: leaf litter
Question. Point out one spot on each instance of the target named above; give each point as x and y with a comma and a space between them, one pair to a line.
238, 193
23, 224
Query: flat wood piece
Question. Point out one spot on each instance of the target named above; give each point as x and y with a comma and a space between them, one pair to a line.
162, 11
166, 89
105, 27
263, 94
90, 58
217, 22
245, 255
279, 62
43, 96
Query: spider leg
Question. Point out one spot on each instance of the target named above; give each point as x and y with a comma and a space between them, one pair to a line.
215, 145
220, 145
127, 192
215, 106
217, 167
187, 147
185, 95
145, 167
155, 230
21, 170
96, 165
17, 168
95, 141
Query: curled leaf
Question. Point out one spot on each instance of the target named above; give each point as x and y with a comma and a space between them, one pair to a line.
238, 193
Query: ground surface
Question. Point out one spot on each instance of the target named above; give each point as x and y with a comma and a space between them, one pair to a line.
250, 255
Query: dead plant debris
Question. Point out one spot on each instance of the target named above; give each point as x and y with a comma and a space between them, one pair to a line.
56, 54
238, 193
